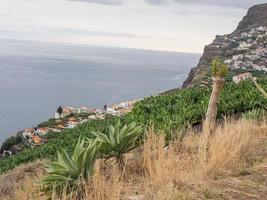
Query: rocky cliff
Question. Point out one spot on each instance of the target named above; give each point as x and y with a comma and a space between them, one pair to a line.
227, 46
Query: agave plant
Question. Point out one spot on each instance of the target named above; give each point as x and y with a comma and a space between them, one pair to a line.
67, 172
118, 140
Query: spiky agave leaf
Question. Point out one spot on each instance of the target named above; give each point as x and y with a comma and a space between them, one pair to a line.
117, 140
68, 171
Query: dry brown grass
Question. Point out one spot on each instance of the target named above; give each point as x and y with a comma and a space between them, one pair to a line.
230, 164
21, 180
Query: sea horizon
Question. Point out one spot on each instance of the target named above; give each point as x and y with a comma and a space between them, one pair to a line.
37, 77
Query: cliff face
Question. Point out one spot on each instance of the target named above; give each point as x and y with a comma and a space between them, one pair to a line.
225, 46
256, 16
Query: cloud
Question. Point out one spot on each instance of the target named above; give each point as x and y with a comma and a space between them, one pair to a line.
221, 3
107, 2
156, 2
224, 3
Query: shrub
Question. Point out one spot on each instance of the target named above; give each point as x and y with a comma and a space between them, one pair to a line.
118, 140
11, 141
255, 114
70, 171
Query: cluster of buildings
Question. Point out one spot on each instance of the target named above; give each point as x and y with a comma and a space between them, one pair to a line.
121, 108
248, 50
71, 117
240, 77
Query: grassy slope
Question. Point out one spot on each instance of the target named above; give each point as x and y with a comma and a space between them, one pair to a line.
233, 165
168, 112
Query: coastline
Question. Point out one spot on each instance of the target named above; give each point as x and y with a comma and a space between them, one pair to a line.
70, 117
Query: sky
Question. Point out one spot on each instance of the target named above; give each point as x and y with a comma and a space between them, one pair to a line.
168, 25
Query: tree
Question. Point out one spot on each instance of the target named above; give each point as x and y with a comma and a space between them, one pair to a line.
9, 142
60, 110
219, 72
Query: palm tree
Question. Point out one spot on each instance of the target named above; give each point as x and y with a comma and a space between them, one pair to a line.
219, 72
68, 172
118, 140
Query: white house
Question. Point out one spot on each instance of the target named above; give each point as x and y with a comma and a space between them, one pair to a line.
261, 28
58, 116
7, 153
244, 45
27, 133
237, 64
72, 124
238, 57
241, 77
228, 61
111, 111
41, 131
91, 117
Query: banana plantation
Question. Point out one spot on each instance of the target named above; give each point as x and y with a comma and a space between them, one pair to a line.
168, 113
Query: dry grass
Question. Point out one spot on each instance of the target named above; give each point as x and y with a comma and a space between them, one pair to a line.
229, 164
21, 180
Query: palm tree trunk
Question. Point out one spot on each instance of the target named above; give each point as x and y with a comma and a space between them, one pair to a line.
211, 115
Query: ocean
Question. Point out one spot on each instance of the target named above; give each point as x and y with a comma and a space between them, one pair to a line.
38, 77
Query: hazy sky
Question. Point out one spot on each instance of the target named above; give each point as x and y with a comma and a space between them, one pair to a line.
172, 25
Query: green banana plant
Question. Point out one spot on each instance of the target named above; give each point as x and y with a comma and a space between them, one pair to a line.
69, 171
118, 140
260, 89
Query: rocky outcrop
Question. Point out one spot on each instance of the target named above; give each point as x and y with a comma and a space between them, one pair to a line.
256, 16
221, 48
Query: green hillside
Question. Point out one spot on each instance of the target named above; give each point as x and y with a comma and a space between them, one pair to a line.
173, 110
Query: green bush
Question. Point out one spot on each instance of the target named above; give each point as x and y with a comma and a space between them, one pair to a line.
255, 114
9, 142
118, 140
70, 171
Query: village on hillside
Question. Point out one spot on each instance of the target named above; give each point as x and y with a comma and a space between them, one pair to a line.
246, 51
67, 118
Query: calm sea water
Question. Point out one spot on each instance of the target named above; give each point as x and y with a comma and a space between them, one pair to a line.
37, 77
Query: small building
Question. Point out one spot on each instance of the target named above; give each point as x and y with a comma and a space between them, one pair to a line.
36, 140
27, 133
7, 153
58, 116
41, 131
72, 124
228, 61
68, 111
244, 45
241, 77
60, 127
84, 109
111, 111
238, 57
91, 117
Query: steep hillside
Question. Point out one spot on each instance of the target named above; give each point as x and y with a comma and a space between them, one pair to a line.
244, 50
169, 113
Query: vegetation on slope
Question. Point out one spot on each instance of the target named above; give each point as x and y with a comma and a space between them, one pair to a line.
168, 113
230, 164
